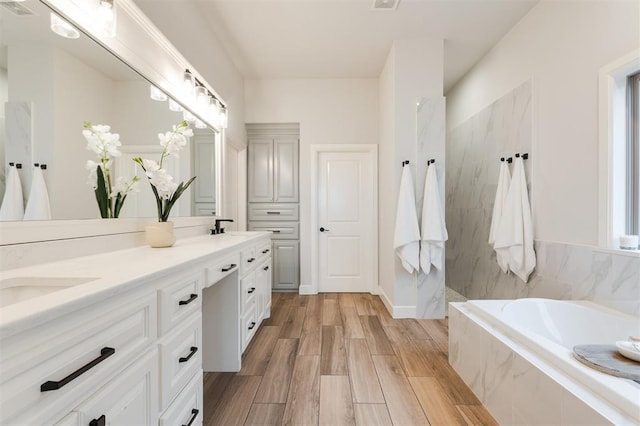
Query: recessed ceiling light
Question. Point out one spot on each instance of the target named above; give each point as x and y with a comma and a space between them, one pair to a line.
385, 4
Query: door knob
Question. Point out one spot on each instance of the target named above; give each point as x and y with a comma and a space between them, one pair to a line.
322, 229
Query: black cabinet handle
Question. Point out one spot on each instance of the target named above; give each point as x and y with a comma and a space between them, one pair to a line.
251, 290
273, 212
323, 229
228, 268
188, 357
266, 268
251, 260
100, 421
265, 251
194, 415
253, 324
51, 385
189, 300
275, 231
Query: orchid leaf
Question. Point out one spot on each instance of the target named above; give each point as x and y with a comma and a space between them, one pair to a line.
118, 204
102, 197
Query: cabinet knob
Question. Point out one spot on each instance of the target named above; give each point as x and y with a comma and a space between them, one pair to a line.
266, 268
251, 260
323, 229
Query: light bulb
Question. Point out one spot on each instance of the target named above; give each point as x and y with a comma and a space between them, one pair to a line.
174, 106
106, 16
62, 27
187, 83
201, 96
223, 118
157, 94
186, 115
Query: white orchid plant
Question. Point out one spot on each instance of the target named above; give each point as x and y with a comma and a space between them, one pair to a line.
110, 196
164, 188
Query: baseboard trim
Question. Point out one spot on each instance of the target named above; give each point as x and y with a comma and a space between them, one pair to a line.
307, 290
396, 312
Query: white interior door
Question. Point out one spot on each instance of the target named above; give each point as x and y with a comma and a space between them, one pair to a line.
346, 214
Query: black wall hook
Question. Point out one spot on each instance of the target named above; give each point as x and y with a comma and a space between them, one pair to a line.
43, 166
18, 165
431, 161
509, 160
404, 163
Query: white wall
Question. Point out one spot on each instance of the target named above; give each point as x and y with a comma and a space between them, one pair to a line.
414, 68
329, 112
561, 46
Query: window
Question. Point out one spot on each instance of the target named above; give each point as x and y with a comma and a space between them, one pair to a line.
633, 155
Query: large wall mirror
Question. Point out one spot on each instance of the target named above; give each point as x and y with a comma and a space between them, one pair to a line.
50, 85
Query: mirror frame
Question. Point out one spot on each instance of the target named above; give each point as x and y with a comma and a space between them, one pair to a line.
149, 53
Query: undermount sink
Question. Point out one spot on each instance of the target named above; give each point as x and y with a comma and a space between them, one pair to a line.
19, 289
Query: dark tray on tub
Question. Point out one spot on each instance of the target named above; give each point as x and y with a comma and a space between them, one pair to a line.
607, 359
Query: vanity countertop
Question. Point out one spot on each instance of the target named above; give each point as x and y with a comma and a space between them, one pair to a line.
97, 277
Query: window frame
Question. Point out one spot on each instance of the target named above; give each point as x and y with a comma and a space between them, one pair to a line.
633, 155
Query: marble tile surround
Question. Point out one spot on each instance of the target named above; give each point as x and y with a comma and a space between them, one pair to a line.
517, 388
430, 122
563, 271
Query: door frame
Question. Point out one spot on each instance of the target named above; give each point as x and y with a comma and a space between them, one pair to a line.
316, 150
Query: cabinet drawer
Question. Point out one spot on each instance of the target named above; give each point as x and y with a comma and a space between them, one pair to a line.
248, 292
281, 230
180, 299
72, 357
263, 251
180, 358
272, 212
187, 407
248, 260
249, 326
131, 398
219, 269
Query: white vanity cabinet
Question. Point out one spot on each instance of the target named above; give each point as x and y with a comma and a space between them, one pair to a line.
135, 356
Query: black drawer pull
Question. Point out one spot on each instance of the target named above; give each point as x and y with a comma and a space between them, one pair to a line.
194, 415
189, 300
275, 231
51, 385
251, 290
273, 212
228, 268
253, 324
100, 421
266, 268
188, 357
251, 260
265, 251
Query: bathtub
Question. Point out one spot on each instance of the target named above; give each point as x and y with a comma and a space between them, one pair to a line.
547, 330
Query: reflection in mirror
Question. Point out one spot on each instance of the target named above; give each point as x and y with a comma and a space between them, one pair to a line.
50, 85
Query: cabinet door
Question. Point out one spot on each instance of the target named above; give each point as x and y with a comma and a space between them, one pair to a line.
260, 171
204, 169
285, 170
131, 398
263, 284
286, 265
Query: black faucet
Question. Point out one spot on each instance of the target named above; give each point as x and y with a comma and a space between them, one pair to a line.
218, 229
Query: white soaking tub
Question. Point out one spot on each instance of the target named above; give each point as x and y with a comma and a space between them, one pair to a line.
551, 328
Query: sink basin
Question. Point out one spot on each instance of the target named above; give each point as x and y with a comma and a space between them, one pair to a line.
19, 289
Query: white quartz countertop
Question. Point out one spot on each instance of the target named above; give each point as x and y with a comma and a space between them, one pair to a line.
105, 275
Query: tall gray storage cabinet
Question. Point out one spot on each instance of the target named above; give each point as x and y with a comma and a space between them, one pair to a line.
273, 196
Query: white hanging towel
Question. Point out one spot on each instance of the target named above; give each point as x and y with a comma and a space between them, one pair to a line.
38, 203
13, 202
514, 238
406, 238
504, 179
434, 230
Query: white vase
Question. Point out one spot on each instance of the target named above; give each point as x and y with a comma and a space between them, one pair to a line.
160, 234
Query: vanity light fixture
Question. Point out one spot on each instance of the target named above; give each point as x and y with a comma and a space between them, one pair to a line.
223, 118
63, 28
157, 94
188, 83
201, 95
174, 106
106, 16
186, 115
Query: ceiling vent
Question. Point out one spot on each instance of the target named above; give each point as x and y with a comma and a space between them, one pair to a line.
16, 8
385, 4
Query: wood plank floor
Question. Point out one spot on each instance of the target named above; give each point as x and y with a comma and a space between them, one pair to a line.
342, 360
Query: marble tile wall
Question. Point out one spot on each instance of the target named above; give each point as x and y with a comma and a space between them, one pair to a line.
564, 271
430, 128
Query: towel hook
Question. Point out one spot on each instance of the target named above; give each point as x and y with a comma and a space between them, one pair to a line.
509, 160
404, 163
431, 161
